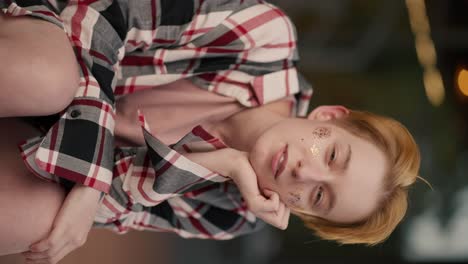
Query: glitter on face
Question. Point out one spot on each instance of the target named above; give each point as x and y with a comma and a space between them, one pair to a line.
318, 134
315, 150
321, 133
294, 198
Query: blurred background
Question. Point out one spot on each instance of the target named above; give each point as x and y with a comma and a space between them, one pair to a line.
405, 59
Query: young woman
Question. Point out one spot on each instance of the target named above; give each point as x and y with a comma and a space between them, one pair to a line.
344, 172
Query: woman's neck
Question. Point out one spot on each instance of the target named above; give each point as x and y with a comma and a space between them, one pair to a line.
241, 130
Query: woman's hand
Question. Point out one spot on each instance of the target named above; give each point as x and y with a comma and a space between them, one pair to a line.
266, 206
70, 228
235, 165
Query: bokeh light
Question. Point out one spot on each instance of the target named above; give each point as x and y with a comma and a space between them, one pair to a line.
462, 81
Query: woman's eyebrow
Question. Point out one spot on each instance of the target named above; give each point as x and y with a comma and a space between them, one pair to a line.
345, 166
331, 201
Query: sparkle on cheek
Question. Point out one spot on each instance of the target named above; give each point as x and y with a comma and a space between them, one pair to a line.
294, 198
318, 134
315, 150
321, 133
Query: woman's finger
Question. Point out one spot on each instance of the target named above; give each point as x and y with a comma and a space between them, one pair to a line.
54, 258
61, 254
272, 202
279, 218
42, 251
28, 255
271, 218
267, 193
43, 255
37, 261
41, 246
285, 220
52, 240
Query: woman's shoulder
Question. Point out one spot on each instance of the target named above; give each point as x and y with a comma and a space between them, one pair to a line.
283, 106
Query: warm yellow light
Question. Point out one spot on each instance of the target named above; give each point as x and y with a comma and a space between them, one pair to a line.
418, 18
462, 81
425, 50
434, 87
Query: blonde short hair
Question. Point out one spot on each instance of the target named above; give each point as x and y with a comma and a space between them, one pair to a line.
404, 160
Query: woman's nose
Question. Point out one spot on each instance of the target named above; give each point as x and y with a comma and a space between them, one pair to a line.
309, 171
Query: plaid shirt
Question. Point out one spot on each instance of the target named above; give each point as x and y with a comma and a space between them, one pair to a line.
243, 49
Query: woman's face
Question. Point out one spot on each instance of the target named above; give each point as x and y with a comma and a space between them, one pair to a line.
320, 168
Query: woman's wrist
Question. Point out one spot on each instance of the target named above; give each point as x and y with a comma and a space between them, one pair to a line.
86, 192
237, 161
228, 160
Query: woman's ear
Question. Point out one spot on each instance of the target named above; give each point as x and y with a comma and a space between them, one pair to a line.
328, 112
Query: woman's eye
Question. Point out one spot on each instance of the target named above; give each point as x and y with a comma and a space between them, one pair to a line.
319, 195
333, 155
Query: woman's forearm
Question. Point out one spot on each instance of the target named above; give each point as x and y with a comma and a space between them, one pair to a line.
86, 193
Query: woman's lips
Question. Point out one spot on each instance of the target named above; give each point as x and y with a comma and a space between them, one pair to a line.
277, 163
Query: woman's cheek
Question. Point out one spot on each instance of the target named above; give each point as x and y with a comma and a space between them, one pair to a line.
293, 198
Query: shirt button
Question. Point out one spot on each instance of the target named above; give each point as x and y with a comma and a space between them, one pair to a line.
75, 113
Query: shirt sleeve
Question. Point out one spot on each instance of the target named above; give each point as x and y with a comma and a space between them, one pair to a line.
158, 172
214, 212
38, 9
202, 203
241, 49
157, 188
79, 146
